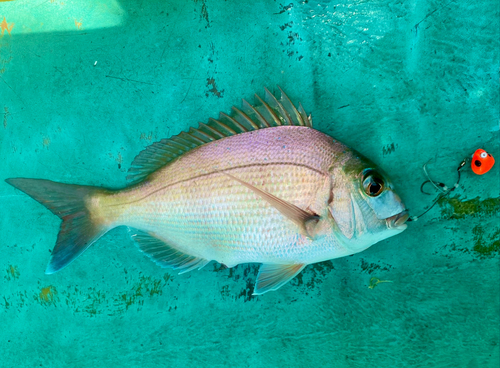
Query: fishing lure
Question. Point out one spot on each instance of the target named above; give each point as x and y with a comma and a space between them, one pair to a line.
481, 162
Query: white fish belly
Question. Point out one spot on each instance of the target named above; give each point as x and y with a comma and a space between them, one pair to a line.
195, 207
217, 218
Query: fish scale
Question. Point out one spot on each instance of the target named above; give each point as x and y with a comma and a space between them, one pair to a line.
259, 185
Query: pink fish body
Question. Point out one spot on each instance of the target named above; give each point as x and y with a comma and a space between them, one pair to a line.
260, 186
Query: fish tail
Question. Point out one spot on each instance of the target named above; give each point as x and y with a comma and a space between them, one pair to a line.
74, 205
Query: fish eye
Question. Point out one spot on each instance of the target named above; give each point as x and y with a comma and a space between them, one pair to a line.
373, 183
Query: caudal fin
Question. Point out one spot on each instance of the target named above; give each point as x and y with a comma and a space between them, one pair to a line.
69, 202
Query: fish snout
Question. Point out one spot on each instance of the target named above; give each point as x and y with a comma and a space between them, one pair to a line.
398, 221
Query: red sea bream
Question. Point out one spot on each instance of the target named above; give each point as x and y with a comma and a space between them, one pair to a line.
259, 185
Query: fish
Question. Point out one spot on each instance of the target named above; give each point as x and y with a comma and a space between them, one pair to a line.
258, 185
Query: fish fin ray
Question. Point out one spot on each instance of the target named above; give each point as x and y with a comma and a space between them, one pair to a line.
165, 255
295, 115
265, 113
303, 219
276, 105
269, 114
77, 232
307, 119
252, 111
273, 276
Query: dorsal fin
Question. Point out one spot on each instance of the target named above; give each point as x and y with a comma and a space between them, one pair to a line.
265, 113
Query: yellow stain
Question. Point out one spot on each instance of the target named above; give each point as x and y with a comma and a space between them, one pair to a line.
374, 281
47, 295
145, 137
4, 26
13, 271
46, 141
78, 24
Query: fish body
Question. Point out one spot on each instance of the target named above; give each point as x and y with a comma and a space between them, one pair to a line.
259, 186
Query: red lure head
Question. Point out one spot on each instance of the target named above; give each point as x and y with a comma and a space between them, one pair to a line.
482, 162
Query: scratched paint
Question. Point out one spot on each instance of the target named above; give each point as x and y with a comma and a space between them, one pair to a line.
6, 27
204, 12
78, 24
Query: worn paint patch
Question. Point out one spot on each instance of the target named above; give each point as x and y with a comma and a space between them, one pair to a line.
78, 24
48, 295
89, 301
92, 301
485, 246
204, 12
305, 282
370, 267
312, 277
4, 26
244, 272
247, 292
12, 273
290, 48
456, 209
17, 300
146, 286
213, 90
5, 57
284, 26
5, 115
149, 136
118, 159
388, 149
285, 8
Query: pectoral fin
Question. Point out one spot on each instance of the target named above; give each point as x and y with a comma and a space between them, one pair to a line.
304, 220
273, 276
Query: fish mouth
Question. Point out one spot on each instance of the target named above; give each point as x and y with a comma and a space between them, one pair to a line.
398, 221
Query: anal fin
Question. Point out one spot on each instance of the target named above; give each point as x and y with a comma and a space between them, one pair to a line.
165, 255
273, 276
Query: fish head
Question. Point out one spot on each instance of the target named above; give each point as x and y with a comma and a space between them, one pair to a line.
364, 204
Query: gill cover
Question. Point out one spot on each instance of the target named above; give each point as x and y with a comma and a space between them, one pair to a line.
361, 204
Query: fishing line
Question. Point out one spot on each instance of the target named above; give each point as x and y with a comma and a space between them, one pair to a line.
440, 187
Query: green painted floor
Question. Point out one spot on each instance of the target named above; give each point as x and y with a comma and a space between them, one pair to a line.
86, 85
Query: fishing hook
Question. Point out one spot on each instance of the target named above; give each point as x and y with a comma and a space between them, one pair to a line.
440, 187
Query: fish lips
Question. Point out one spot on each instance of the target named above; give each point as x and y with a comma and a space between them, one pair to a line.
398, 222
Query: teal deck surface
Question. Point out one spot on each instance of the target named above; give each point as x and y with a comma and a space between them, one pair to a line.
86, 85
